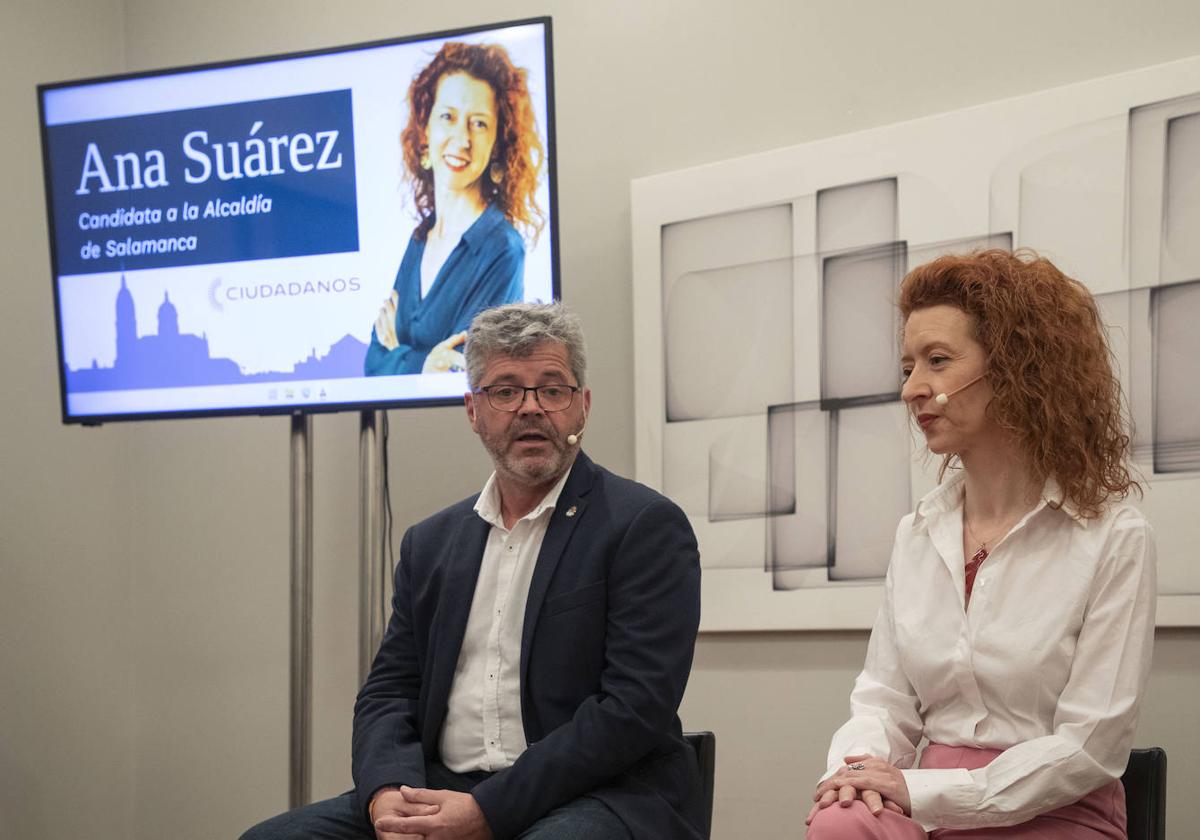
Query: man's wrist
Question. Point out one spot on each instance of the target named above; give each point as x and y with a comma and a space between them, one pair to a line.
375, 798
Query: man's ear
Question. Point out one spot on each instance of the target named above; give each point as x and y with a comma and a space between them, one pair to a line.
469, 402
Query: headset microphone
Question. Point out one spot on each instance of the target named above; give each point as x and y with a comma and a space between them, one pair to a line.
943, 398
573, 439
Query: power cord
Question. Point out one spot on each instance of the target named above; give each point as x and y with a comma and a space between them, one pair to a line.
388, 544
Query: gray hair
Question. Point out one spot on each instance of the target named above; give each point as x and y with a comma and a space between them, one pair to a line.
516, 329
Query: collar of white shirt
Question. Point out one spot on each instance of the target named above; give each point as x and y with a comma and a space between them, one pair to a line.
948, 497
488, 503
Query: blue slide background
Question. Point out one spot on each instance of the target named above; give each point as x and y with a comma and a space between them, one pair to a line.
313, 212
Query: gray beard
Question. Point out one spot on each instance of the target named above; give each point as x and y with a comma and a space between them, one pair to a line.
530, 471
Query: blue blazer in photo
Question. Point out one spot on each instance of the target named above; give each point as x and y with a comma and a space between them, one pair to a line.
485, 269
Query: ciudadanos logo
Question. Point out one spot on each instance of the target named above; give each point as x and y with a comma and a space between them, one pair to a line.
247, 181
221, 294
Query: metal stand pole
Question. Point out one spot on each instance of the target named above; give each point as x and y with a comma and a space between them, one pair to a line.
300, 752
372, 559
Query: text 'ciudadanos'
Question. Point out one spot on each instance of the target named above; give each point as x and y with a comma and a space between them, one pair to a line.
249, 181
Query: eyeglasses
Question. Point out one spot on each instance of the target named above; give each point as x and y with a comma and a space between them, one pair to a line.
512, 397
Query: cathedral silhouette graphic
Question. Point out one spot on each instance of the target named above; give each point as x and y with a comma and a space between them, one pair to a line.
171, 359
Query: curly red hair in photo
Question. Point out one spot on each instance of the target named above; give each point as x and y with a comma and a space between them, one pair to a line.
518, 149
1048, 362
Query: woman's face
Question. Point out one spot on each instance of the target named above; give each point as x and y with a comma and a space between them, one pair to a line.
461, 130
939, 354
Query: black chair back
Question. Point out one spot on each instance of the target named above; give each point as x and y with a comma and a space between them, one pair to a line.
1145, 782
705, 745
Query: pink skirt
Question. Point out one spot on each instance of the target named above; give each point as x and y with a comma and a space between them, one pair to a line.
1098, 816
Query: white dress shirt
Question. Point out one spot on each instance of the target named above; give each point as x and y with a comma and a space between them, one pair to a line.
1047, 664
484, 729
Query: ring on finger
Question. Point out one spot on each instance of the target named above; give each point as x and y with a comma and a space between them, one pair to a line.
858, 765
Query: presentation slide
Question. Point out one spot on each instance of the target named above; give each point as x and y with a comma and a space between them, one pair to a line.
301, 232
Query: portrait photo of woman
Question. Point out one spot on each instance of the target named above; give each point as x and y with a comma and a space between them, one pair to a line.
473, 156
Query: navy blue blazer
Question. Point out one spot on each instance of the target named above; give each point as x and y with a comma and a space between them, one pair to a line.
485, 269
610, 628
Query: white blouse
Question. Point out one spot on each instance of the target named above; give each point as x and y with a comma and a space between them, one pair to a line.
1047, 664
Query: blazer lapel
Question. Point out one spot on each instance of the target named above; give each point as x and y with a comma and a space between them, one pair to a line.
464, 557
567, 514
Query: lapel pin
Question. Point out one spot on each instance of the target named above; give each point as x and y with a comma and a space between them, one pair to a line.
571, 510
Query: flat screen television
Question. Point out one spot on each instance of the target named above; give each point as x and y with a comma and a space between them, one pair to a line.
307, 232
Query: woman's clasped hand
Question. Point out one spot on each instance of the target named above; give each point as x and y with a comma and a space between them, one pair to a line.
878, 784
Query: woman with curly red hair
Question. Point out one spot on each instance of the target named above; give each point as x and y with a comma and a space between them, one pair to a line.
1018, 615
473, 156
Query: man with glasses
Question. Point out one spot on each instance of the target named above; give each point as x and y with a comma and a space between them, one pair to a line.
541, 635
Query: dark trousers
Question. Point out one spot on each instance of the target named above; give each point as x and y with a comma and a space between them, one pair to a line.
340, 818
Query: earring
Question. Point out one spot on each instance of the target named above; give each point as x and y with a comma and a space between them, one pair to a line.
496, 173
425, 164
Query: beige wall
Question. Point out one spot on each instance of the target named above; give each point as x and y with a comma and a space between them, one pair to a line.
143, 567
66, 693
